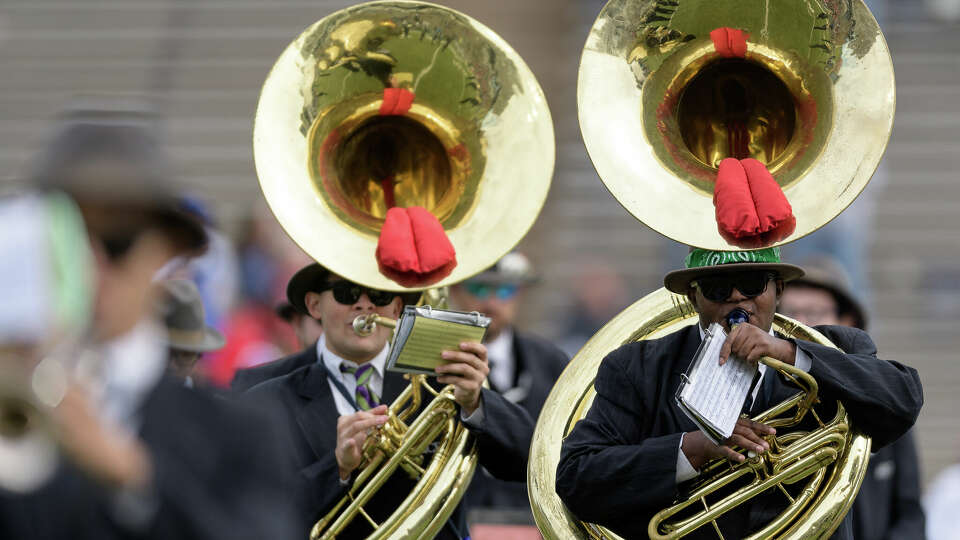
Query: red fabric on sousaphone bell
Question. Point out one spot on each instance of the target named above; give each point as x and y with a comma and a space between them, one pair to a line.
413, 249
729, 42
396, 101
751, 209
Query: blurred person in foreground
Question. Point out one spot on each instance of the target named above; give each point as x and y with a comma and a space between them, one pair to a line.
307, 328
888, 505
144, 457
188, 336
523, 367
338, 400
635, 450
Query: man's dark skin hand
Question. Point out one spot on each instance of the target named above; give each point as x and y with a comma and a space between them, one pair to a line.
751, 341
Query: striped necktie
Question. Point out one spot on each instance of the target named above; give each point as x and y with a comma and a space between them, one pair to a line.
365, 396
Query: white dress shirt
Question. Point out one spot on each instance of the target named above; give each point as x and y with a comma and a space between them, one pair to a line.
349, 381
503, 365
685, 470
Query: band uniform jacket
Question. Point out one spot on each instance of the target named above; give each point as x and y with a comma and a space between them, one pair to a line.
305, 403
539, 364
618, 465
215, 470
888, 506
247, 378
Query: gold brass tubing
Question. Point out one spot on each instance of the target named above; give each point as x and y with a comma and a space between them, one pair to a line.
426, 425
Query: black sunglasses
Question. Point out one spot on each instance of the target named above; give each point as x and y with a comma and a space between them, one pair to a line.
718, 288
348, 293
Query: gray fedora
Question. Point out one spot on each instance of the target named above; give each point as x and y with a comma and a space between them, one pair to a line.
823, 272
514, 268
113, 160
183, 315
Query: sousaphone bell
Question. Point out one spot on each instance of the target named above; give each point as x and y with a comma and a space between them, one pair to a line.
668, 89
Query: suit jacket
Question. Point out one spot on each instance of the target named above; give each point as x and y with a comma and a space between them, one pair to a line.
539, 364
618, 465
247, 378
215, 470
309, 415
888, 505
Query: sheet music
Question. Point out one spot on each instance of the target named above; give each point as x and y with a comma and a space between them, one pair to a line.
424, 333
716, 393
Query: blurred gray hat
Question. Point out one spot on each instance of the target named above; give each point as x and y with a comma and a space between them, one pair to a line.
111, 158
823, 272
183, 315
513, 268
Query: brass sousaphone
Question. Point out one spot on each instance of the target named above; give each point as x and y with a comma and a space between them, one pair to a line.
814, 98
475, 148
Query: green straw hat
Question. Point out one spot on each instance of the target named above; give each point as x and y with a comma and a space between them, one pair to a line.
705, 262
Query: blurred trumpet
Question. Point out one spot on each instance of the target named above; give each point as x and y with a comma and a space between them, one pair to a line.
47, 289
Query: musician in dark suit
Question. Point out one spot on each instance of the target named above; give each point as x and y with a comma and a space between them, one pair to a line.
523, 367
331, 405
297, 288
142, 456
888, 505
631, 454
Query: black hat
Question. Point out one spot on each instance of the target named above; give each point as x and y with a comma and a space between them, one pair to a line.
285, 310
311, 277
825, 273
112, 160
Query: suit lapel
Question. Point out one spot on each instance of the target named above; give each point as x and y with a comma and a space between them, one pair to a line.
318, 414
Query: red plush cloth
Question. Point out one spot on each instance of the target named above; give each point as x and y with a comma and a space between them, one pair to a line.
413, 249
751, 209
396, 101
729, 42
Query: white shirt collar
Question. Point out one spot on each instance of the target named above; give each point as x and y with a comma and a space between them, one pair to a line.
333, 361
132, 366
502, 362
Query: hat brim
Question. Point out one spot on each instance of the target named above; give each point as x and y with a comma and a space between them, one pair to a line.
306, 279
212, 340
678, 281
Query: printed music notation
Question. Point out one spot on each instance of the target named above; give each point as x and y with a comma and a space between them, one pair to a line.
713, 395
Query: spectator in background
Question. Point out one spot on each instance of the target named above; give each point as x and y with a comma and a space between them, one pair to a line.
523, 369
254, 333
599, 292
188, 336
216, 273
307, 329
941, 503
297, 288
888, 505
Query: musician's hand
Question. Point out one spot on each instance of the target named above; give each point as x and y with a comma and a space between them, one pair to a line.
105, 452
466, 371
750, 343
352, 432
747, 434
